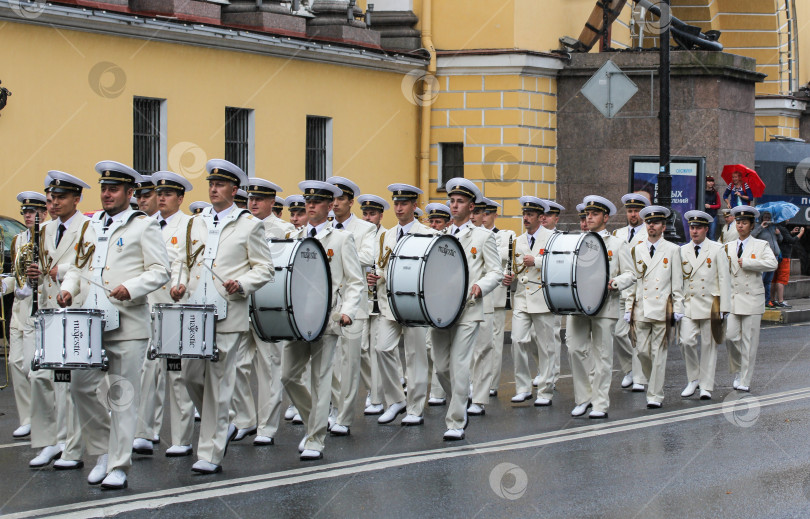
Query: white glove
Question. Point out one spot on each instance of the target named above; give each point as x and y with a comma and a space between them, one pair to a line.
23, 292
678, 317
627, 316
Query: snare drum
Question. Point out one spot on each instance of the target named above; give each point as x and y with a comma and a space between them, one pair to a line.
184, 331
427, 280
575, 273
69, 338
295, 305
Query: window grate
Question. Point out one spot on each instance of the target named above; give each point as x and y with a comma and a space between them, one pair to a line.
146, 134
237, 137
317, 147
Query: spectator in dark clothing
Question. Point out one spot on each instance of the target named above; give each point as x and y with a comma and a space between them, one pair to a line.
712, 199
766, 230
738, 193
782, 275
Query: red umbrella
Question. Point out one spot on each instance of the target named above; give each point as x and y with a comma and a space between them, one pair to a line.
748, 175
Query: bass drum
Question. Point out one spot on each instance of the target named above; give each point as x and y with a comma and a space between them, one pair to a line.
575, 273
427, 280
295, 305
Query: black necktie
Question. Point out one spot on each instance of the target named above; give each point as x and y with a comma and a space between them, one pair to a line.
531, 243
697, 250
632, 233
163, 223
59, 232
401, 234
339, 225
652, 250
456, 231
495, 230
313, 232
107, 224
216, 220
739, 250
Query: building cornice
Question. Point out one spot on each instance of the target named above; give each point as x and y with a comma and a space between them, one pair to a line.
220, 38
495, 62
770, 106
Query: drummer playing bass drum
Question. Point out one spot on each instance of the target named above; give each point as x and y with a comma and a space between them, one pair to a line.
590, 338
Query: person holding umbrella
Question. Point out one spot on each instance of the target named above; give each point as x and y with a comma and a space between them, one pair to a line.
738, 192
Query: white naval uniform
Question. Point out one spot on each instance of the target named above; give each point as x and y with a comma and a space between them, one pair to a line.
346, 370
264, 413
135, 258
453, 347
235, 249
486, 368
388, 333
747, 303
728, 232
348, 297
590, 338
181, 409
369, 366
53, 414
625, 351
657, 278
705, 277
21, 338
532, 321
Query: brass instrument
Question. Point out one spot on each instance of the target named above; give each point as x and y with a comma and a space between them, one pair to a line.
21, 260
382, 259
521, 267
509, 262
35, 259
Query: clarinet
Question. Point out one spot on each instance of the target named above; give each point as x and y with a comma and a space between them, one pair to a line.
508, 305
375, 307
35, 259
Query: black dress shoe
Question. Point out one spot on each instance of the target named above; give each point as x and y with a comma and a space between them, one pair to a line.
493, 392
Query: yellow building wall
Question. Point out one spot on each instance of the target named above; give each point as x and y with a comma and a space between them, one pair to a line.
65, 115
776, 126
508, 126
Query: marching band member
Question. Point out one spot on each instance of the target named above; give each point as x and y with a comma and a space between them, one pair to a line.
373, 207
131, 243
197, 207
439, 218
153, 379
748, 258
659, 279
418, 214
531, 318
389, 330
145, 196
590, 338
228, 244
549, 220
21, 338
633, 233
54, 419
133, 203
705, 280
346, 375
347, 294
583, 223
240, 199
728, 231
170, 189
486, 370
279, 205
263, 357
298, 210
453, 346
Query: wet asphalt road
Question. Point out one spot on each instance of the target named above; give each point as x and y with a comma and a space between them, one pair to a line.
734, 456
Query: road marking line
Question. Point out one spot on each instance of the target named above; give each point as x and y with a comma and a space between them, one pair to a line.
15, 444
161, 498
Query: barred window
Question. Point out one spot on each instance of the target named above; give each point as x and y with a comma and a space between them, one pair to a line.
239, 138
149, 134
451, 161
319, 148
